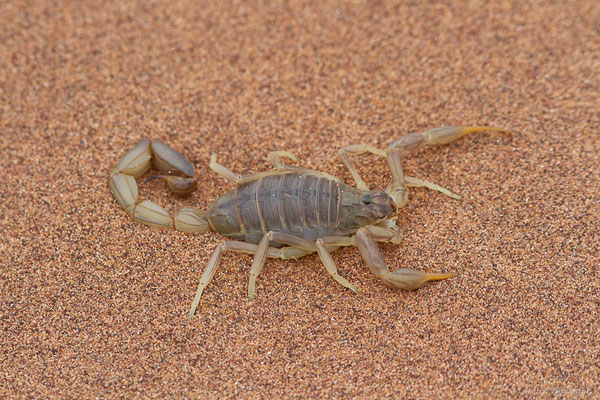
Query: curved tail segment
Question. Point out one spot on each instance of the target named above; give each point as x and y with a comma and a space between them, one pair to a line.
175, 170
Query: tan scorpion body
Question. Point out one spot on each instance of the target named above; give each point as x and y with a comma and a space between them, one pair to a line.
287, 212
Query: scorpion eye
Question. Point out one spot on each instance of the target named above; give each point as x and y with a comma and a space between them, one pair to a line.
366, 199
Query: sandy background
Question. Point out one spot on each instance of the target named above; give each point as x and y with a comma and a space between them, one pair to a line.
95, 305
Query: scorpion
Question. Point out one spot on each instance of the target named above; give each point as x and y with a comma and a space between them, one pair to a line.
289, 211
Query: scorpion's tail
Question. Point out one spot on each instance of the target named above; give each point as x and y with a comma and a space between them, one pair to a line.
176, 171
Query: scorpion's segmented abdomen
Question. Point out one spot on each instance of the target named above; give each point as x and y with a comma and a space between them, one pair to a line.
303, 205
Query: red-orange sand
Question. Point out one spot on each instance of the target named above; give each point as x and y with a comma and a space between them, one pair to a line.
93, 305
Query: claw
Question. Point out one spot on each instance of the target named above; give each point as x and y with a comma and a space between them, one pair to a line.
448, 134
409, 279
397, 150
404, 278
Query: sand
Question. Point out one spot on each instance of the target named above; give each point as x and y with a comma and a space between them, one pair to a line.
94, 305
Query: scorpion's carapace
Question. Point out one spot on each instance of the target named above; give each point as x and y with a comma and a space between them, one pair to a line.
288, 212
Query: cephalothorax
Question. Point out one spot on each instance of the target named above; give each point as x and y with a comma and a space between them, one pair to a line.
288, 212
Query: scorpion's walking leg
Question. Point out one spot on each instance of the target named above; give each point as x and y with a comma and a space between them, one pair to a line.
300, 247
417, 182
237, 178
261, 254
345, 151
322, 249
330, 265
244, 247
404, 278
263, 251
176, 171
208, 274
259, 260
299, 243
276, 159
